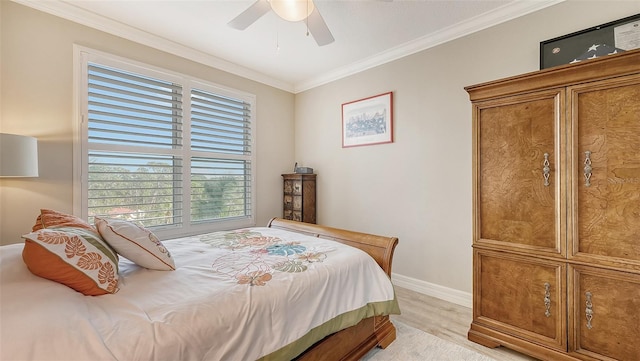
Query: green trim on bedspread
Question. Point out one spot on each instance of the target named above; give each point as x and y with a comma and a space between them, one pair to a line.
334, 325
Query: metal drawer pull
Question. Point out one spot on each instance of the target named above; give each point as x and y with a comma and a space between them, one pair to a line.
589, 310
587, 169
547, 299
546, 170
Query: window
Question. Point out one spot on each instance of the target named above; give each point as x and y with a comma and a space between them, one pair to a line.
163, 149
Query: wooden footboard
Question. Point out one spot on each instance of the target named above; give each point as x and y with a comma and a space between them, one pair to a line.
354, 342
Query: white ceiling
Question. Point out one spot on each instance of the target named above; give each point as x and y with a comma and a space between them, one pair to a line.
279, 53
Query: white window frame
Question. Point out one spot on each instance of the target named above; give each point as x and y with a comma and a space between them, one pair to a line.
82, 57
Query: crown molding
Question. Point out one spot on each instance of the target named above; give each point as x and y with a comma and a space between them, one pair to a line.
502, 14
67, 11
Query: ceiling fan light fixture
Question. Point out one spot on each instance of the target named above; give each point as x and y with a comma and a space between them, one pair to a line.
292, 10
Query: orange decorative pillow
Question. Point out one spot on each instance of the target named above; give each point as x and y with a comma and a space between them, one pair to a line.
135, 243
49, 218
75, 257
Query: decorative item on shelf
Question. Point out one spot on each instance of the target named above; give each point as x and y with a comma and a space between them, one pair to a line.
607, 39
302, 170
596, 51
18, 156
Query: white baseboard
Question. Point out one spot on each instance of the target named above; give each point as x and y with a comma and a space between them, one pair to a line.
431, 289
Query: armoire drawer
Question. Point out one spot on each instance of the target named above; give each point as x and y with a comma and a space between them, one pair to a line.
521, 296
606, 313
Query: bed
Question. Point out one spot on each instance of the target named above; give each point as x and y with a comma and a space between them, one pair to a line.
211, 306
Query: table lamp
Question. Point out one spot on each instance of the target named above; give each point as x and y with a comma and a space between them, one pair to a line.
18, 156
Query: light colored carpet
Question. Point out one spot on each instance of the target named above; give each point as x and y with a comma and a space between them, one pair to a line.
412, 344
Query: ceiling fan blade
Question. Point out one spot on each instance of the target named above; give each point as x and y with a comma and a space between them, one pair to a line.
249, 16
319, 29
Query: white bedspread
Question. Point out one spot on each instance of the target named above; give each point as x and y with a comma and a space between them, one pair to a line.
232, 298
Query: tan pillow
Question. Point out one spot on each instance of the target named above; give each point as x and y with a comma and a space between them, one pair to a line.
135, 243
75, 257
49, 218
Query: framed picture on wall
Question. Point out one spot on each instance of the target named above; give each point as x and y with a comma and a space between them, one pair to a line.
606, 39
368, 121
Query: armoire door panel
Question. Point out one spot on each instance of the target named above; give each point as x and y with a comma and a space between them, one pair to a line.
517, 180
606, 123
521, 296
606, 321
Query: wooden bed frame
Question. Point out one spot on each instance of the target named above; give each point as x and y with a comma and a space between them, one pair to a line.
354, 342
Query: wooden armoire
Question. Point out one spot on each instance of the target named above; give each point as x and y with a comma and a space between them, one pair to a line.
556, 223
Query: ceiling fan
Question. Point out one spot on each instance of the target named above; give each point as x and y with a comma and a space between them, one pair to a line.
290, 10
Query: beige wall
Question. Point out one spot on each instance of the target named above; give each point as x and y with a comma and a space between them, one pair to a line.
36, 100
419, 187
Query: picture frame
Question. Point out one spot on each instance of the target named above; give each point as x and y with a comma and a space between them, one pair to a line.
368, 121
606, 39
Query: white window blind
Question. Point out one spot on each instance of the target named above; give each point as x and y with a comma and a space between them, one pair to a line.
174, 155
220, 186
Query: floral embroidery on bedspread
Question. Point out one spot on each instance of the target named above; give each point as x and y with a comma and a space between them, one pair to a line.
253, 258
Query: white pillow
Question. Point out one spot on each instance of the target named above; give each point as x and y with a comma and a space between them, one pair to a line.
135, 243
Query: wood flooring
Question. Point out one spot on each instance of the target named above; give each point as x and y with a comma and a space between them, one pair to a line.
447, 321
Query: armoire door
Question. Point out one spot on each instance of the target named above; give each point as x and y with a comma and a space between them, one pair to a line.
606, 321
606, 172
521, 296
517, 174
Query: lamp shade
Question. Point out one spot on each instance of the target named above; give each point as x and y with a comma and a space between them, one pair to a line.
18, 156
292, 10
